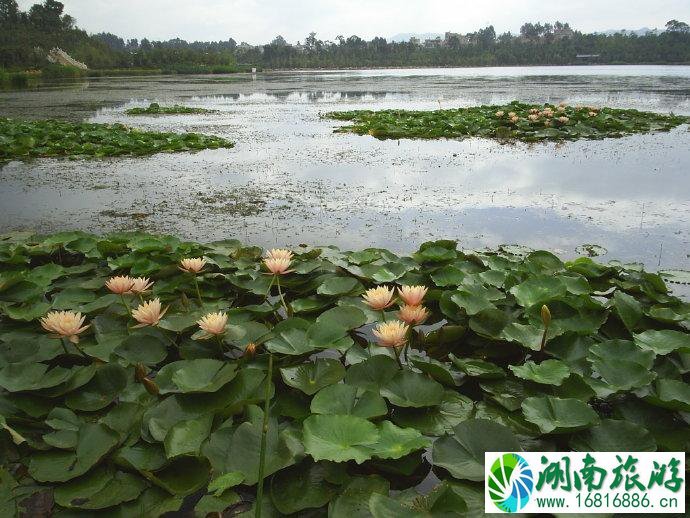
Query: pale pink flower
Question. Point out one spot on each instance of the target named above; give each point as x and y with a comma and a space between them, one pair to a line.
534, 110
278, 265
279, 253
561, 109
563, 120
514, 119
500, 113
547, 123
379, 298
193, 265
121, 284
413, 315
412, 295
593, 114
64, 324
391, 334
141, 285
512, 114
149, 313
534, 117
213, 324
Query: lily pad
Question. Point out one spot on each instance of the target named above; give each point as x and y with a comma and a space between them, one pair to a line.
312, 377
556, 415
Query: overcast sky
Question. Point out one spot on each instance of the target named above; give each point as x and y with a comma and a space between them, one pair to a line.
259, 21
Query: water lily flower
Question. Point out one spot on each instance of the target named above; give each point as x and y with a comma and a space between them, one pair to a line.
278, 266
562, 104
120, 284
500, 113
149, 313
514, 119
141, 285
512, 114
563, 120
279, 253
193, 265
379, 298
213, 324
413, 315
593, 114
534, 117
534, 110
64, 324
561, 109
412, 295
391, 334
547, 123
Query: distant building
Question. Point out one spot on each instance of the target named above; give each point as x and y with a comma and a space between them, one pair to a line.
560, 33
452, 39
434, 44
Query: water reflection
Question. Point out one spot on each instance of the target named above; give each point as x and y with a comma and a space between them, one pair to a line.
291, 180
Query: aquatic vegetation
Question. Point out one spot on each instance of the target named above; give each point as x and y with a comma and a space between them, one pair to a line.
157, 109
230, 378
58, 138
516, 120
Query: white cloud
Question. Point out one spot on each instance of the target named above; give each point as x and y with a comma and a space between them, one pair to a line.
258, 21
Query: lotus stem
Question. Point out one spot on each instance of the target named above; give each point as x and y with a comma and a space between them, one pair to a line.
220, 345
264, 434
282, 300
198, 293
124, 303
383, 315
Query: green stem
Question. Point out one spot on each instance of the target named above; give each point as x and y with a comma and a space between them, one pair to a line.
220, 346
198, 293
398, 350
282, 300
543, 338
383, 315
124, 303
264, 434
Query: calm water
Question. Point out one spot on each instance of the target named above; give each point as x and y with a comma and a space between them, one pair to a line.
291, 180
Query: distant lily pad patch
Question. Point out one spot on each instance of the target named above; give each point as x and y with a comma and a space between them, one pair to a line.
513, 121
56, 138
157, 109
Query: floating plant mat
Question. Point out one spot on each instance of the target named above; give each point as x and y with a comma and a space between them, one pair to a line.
57, 138
157, 109
138, 421
526, 122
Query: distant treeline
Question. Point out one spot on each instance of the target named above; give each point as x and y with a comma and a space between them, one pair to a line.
25, 38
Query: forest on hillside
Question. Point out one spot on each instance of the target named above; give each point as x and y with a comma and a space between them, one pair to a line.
26, 37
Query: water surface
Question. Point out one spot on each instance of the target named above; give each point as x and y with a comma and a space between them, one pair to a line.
291, 180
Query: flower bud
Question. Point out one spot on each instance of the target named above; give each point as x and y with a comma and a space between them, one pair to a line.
545, 315
150, 386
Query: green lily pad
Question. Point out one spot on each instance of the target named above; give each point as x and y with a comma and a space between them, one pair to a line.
663, 342
436, 420
395, 442
614, 435
621, 364
339, 438
312, 377
556, 415
372, 373
462, 453
548, 372
410, 389
302, 487
200, 375
342, 399
478, 368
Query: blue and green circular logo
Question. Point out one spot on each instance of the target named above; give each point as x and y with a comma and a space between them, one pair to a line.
510, 482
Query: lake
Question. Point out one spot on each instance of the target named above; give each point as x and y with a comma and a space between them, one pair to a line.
291, 179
